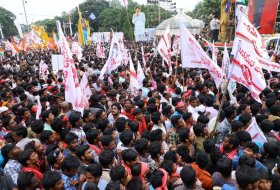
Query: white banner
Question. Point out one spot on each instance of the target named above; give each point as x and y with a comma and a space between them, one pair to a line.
164, 47
86, 91
43, 69
256, 133
77, 50
134, 85
140, 74
57, 63
193, 56
226, 65
100, 51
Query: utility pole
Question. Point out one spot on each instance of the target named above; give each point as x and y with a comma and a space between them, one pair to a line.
70, 25
23, 4
1, 32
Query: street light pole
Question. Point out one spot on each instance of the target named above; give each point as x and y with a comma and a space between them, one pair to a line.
23, 4
1, 32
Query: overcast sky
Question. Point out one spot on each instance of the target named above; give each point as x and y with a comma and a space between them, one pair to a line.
42, 9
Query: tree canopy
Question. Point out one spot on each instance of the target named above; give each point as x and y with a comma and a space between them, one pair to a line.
7, 21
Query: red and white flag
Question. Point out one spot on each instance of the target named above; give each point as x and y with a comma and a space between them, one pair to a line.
77, 50
73, 93
100, 51
143, 56
43, 69
226, 65
164, 47
9, 46
214, 50
249, 35
86, 91
256, 133
140, 74
247, 71
134, 85
193, 56
34, 38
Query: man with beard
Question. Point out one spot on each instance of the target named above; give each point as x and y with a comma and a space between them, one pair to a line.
128, 111
115, 113
229, 146
87, 157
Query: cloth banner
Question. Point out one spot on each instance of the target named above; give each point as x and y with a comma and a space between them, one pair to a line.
43, 69
140, 74
86, 91
57, 63
256, 133
164, 47
77, 50
134, 85
100, 51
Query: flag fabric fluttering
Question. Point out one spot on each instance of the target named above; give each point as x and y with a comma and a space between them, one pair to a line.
86, 91
256, 133
115, 58
100, 51
164, 47
140, 74
92, 16
77, 50
214, 50
10, 47
193, 56
226, 65
134, 85
143, 56
247, 71
39, 107
43, 69
73, 93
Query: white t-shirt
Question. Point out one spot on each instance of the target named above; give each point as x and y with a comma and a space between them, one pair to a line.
215, 24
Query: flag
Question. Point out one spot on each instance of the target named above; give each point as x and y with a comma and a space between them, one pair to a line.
17, 24
73, 93
92, 16
134, 85
140, 74
124, 3
231, 88
226, 66
43, 69
214, 50
100, 51
10, 47
39, 107
114, 59
248, 72
143, 57
86, 91
34, 38
253, 41
77, 50
193, 56
83, 34
256, 133
164, 47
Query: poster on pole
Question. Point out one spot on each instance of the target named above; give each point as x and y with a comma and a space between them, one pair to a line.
57, 63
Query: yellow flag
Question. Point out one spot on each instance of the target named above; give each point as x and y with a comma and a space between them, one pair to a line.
80, 29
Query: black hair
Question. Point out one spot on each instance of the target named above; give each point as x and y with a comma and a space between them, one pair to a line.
155, 178
243, 136
73, 118
57, 124
209, 101
91, 135
80, 150
198, 129
102, 124
37, 126
155, 117
171, 155
188, 176
156, 135
246, 161
129, 155
252, 145
45, 114
120, 124
209, 144
25, 156
21, 131
271, 149
134, 184
90, 186
146, 135
266, 125
117, 173
94, 169
50, 179
233, 140
70, 162
155, 148
236, 125
246, 176
113, 185
203, 119
126, 137
24, 180
224, 166
228, 111
45, 135
184, 152
70, 137
174, 119
167, 165
106, 157
184, 134
106, 139
134, 125
141, 145
245, 118
186, 115
201, 159
215, 155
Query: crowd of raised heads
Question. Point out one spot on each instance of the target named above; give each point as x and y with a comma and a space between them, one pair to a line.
162, 138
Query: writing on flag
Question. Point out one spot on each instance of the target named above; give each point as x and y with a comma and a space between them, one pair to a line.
86, 91
140, 74
248, 72
164, 47
77, 50
73, 93
10, 47
134, 85
100, 51
256, 133
43, 68
193, 56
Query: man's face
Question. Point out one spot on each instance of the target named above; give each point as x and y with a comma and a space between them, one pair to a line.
112, 145
89, 155
50, 118
103, 101
91, 178
226, 144
127, 105
247, 110
137, 11
115, 110
264, 184
194, 103
74, 144
248, 152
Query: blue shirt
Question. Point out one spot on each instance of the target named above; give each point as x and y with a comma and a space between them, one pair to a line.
258, 166
67, 181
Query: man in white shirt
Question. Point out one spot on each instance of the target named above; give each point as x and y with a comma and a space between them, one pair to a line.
215, 28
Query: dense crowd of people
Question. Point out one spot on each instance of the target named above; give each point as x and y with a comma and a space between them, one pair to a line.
162, 138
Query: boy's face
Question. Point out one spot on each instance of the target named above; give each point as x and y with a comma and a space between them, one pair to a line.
91, 178
248, 152
74, 144
88, 155
264, 184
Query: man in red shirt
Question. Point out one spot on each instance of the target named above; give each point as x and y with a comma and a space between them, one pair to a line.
140, 118
128, 111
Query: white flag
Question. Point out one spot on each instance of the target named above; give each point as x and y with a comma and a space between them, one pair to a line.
256, 133
100, 51
226, 65
164, 47
34, 38
77, 50
115, 55
193, 56
43, 69
134, 86
39, 107
92, 16
140, 74
248, 72
143, 56
86, 91
10, 47
73, 93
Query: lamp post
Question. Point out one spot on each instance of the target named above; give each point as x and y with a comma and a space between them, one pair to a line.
23, 4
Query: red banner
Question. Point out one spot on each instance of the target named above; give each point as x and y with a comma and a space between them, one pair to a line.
263, 13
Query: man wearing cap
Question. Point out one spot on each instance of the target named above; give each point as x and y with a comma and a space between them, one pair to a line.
4, 111
13, 167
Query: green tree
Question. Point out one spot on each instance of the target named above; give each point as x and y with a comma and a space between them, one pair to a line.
7, 21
